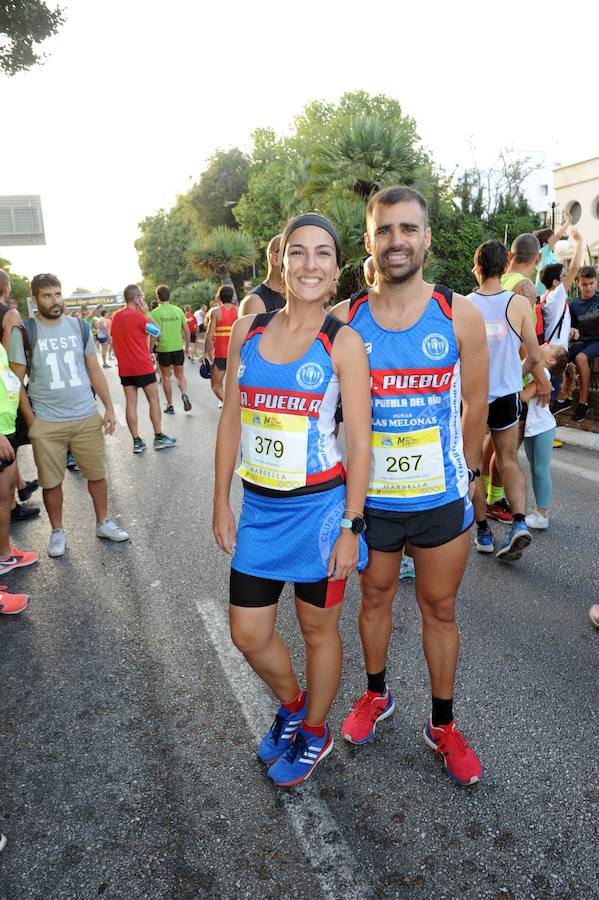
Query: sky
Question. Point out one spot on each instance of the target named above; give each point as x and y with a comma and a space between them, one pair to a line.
137, 94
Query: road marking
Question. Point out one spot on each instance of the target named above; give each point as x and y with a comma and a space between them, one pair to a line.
334, 864
574, 470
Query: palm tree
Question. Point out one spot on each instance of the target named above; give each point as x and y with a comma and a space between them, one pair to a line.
221, 252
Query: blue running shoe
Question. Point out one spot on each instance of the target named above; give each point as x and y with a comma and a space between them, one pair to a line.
518, 538
281, 733
301, 758
484, 542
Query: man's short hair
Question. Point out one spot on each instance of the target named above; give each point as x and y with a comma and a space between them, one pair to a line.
491, 257
225, 293
549, 274
525, 248
163, 292
543, 235
583, 272
43, 281
397, 193
131, 291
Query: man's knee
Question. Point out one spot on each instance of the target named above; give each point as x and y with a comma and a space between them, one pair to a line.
582, 361
437, 608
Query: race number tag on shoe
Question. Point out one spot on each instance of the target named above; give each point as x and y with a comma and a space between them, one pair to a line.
408, 464
274, 449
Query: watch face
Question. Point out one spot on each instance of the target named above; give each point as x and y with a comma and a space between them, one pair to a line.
358, 526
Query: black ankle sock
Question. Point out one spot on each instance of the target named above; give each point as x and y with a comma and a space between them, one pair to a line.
442, 711
518, 517
483, 525
376, 683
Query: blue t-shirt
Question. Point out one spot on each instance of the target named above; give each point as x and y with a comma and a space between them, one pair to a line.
585, 317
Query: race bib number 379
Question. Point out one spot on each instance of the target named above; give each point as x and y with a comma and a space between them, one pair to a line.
408, 464
274, 449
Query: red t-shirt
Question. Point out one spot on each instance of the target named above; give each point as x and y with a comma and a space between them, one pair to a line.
130, 342
191, 321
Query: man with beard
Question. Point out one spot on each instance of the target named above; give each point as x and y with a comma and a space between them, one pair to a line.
59, 355
427, 351
266, 297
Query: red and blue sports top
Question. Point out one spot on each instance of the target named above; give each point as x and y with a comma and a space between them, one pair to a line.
417, 450
288, 440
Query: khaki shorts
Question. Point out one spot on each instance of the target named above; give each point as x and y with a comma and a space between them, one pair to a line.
50, 441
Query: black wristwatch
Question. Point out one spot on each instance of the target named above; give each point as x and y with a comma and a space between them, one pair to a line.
357, 525
472, 474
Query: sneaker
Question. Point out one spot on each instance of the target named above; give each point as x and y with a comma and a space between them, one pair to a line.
500, 511
484, 542
582, 411
186, 402
18, 559
109, 529
20, 512
461, 761
139, 445
301, 758
58, 543
281, 733
170, 409
163, 440
359, 726
557, 444
406, 568
26, 492
12, 604
72, 462
594, 615
518, 538
536, 520
559, 406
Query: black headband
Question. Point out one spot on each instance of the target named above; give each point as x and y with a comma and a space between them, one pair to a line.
309, 219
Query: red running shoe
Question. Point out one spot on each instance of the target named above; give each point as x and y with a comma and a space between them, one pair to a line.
11, 604
461, 761
17, 559
360, 726
500, 511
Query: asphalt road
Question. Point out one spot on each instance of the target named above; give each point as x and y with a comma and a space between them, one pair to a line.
128, 722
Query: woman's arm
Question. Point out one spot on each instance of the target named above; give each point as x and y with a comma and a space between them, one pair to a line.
351, 364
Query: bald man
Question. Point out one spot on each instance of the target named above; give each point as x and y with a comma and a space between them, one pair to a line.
267, 296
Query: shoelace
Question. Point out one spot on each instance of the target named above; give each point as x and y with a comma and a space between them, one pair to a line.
364, 706
276, 728
296, 748
452, 741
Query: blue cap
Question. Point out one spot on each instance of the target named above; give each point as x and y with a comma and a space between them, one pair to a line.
205, 369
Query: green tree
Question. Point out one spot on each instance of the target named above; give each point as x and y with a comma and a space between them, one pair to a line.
222, 252
23, 25
19, 287
162, 248
195, 294
220, 186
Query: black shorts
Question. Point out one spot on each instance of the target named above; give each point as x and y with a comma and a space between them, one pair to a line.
5, 463
589, 348
504, 412
221, 363
172, 358
138, 381
388, 531
250, 591
192, 337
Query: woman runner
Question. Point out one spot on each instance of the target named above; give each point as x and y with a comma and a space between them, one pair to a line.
299, 521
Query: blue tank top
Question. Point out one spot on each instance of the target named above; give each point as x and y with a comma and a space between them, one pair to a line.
288, 443
417, 450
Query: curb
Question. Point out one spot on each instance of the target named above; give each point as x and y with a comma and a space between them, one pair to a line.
578, 438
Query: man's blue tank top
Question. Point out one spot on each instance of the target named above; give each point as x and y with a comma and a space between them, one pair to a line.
288, 443
417, 450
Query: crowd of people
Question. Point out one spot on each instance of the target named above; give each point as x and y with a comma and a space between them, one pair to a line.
436, 393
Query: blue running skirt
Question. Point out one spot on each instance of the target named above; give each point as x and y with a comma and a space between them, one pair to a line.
290, 538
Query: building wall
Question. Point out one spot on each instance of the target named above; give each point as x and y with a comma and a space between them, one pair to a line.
577, 192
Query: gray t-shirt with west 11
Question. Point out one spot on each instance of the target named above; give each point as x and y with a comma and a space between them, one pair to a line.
59, 386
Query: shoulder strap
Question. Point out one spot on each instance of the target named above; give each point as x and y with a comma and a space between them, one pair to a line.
260, 322
444, 297
29, 335
329, 331
85, 332
355, 298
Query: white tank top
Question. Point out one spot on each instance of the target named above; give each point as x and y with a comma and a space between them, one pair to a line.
505, 365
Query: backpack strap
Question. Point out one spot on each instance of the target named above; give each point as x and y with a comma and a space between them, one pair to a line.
85, 330
28, 330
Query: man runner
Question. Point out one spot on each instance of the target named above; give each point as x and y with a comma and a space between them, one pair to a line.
419, 338
267, 296
218, 335
130, 331
174, 336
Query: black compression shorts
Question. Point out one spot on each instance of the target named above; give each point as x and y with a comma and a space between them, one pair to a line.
250, 591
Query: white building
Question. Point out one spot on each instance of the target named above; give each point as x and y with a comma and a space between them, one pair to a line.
577, 192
